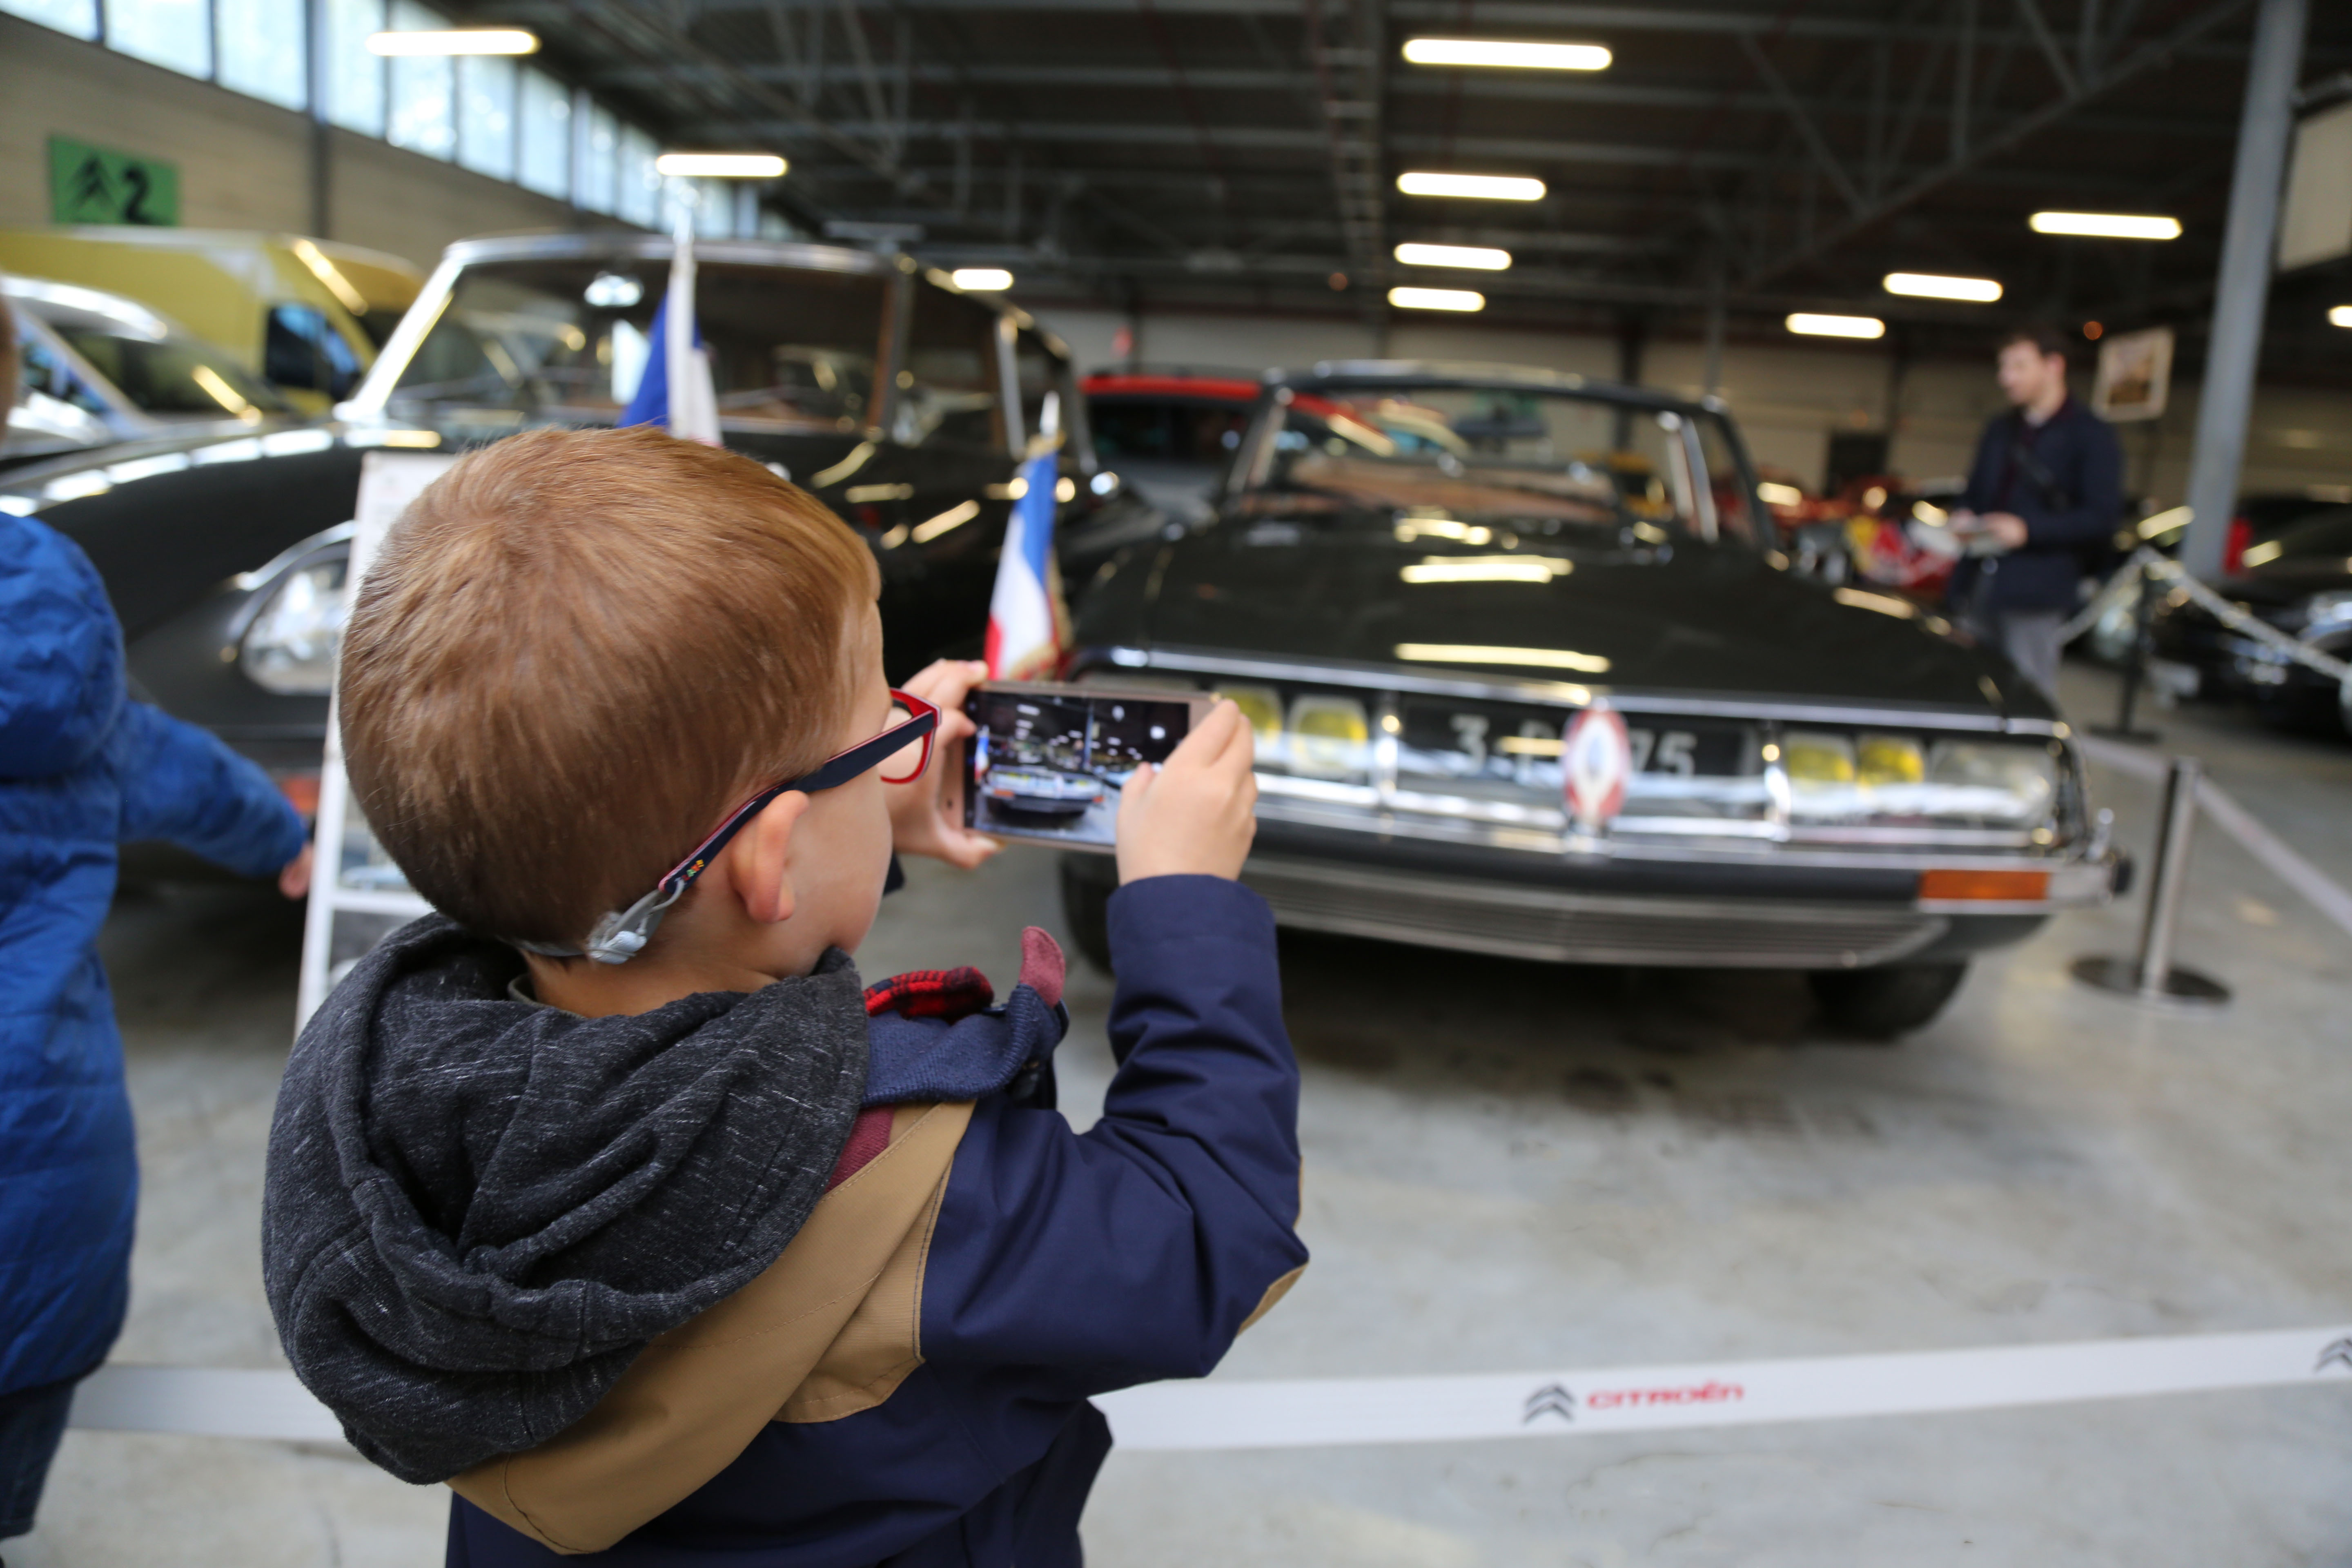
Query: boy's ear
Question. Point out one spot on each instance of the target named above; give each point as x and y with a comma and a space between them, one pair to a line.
759, 859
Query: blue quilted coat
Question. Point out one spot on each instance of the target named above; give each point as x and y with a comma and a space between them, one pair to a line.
81, 769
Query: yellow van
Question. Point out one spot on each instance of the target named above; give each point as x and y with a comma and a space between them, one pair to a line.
305, 315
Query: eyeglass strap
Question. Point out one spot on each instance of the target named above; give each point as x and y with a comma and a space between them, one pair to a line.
622, 934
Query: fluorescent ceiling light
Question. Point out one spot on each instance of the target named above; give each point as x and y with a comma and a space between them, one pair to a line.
982, 280
456, 41
720, 165
2107, 226
1931, 286
1438, 300
2341, 316
1485, 187
1815, 326
1475, 257
1506, 52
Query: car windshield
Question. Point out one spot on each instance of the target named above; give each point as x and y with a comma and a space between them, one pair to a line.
1497, 452
158, 368
790, 348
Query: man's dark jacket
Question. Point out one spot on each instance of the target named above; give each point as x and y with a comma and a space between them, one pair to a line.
2064, 478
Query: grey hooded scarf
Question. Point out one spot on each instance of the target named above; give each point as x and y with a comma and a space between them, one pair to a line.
478, 1211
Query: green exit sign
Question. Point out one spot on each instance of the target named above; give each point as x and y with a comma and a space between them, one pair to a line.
97, 184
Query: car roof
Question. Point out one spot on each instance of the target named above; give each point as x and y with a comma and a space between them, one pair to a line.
1231, 386
96, 301
1436, 374
637, 245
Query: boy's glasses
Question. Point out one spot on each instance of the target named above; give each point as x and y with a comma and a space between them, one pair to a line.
622, 935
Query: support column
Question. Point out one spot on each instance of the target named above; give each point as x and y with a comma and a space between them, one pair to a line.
2243, 288
1713, 377
323, 147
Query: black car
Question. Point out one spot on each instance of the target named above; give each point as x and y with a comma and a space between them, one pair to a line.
2300, 583
902, 403
1422, 583
1169, 433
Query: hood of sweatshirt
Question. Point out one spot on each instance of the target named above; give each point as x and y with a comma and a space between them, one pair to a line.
479, 1210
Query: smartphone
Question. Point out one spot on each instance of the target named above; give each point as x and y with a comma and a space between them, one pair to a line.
1047, 762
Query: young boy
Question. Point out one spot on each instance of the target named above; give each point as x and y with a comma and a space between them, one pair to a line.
612, 1198
81, 769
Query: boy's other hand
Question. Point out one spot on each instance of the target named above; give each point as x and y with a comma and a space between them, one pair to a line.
1195, 814
294, 880
926, 814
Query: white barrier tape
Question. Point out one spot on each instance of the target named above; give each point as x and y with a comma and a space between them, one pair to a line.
2321, 892
1322, 1411
1315, 1412
202, 1401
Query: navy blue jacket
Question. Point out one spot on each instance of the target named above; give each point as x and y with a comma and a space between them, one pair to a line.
2067, 522
1062, 1265
82, 768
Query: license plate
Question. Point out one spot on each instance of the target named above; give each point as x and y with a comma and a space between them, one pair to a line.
1480, 737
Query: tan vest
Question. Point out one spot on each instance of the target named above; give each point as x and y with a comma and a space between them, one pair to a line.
830, 1329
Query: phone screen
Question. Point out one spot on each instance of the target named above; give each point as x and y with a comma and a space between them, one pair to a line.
1048, 761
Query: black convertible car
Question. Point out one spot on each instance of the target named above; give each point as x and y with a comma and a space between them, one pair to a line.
902, 403
1527, 678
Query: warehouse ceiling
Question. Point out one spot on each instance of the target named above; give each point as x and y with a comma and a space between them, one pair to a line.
1776, 154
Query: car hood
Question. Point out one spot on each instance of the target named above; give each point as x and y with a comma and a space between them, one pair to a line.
1683, 618
2283, 584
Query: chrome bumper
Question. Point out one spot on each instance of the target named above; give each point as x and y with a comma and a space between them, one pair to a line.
1557, 926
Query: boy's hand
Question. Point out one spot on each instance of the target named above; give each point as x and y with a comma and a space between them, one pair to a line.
1195, 813
927, 813
294, 880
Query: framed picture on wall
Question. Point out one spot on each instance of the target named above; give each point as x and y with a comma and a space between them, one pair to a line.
2135, 374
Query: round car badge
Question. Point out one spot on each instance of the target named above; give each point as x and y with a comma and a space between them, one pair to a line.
1595, 762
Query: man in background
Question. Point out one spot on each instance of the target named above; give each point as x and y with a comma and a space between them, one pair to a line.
2044, 494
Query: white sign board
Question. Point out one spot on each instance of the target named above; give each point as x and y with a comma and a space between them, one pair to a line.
357, 894
2315, 218
2135, 376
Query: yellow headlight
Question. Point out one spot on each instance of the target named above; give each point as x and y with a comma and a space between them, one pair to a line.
1328, 734
1261, 705
1892, 760
1817, 757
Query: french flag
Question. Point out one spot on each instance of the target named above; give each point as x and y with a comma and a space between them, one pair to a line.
1027, 624
676, 391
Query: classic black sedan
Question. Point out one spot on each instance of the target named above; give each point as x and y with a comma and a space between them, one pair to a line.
2299, 582
902, 403
1527, 678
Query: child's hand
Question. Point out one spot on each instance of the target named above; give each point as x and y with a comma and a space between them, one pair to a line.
927, 813
294, 880
1195, 813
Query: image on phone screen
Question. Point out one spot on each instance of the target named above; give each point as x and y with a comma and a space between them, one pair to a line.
1048, 761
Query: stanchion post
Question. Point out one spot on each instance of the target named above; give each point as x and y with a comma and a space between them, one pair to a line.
2152, 976
2136, 667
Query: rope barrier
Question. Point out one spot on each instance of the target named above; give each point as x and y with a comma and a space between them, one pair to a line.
2146, 564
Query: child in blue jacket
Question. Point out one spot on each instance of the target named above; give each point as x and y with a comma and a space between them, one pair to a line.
611, 1196
81, 769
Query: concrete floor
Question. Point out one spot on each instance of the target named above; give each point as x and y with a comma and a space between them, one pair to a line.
1514, 1166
